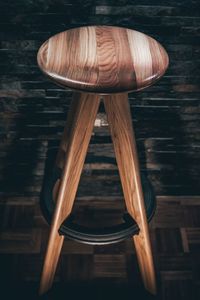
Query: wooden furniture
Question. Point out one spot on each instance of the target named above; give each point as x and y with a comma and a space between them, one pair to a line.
100, 62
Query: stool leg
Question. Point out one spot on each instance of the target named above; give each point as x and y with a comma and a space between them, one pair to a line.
76, 148
119, 119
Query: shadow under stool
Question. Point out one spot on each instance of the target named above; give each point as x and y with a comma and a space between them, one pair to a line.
100, 62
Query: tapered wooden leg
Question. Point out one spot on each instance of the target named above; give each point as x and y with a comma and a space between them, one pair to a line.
119, 119
79, 131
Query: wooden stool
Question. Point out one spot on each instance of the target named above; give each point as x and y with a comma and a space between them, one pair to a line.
100, 62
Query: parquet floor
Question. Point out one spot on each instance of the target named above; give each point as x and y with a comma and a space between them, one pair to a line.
102, 272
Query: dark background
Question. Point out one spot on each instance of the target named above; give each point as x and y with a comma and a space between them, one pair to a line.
166, 121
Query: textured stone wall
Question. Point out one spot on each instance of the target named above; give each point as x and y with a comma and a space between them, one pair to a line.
33, 109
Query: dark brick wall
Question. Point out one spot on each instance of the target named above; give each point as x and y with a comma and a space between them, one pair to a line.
33, 110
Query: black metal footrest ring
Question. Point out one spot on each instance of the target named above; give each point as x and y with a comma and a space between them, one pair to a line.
97, 236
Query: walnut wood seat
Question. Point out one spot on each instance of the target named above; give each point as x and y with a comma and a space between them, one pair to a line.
103, 59
100, 63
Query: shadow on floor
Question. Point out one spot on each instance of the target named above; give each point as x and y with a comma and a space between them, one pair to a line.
91, 291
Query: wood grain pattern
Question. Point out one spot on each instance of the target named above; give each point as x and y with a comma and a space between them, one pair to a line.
79, 136
103, 59
119, 118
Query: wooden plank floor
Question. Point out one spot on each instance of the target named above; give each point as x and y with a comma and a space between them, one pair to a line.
102, 272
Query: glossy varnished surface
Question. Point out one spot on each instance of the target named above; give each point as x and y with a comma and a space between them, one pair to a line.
103, 59
72, 151
120, 122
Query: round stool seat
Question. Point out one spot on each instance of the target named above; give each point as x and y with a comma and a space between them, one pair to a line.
103, 59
